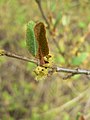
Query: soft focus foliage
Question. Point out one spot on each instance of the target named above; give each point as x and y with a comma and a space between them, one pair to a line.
21, 96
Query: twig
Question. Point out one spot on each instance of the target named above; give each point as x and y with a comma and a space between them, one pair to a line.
73, 71
12, 55
57, 69
42, 12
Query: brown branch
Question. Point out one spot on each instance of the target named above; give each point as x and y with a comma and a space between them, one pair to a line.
42, 12
73, 71
12, 55
57, 69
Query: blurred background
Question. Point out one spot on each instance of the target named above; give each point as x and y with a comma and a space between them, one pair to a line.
21, 96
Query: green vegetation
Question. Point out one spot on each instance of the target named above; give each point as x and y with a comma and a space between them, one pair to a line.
68, 33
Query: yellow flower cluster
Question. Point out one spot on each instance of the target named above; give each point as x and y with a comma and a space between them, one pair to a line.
42, 72
2, 52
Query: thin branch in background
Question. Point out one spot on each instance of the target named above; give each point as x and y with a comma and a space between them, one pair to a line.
68, 104
68, 76
42, 12
58, 47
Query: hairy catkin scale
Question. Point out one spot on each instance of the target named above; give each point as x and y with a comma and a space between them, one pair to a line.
31, 41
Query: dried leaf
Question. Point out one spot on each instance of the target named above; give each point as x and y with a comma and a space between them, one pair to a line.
81, 117
40, 34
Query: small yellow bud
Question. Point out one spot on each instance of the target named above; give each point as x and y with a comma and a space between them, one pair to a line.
49, 60
2, 52
40, 72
